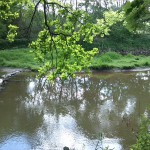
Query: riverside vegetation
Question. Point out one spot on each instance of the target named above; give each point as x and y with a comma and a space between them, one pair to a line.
24, 58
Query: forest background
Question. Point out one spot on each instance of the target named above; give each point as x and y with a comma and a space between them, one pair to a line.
120, 39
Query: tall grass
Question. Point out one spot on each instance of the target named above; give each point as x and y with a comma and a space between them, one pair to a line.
20, 58
111, 60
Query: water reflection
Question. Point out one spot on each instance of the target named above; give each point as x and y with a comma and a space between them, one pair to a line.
41, 116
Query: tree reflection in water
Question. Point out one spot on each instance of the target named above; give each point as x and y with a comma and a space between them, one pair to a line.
77, 110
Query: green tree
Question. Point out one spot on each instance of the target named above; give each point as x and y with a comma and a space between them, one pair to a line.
6, 11
58, 44
9, 13
6, 14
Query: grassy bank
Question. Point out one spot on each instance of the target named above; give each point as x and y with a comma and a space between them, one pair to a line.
112, 60
23, 58
18, 58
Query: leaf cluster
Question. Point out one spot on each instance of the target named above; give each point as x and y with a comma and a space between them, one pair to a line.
137, 13
5, 9
58, 45
8, 12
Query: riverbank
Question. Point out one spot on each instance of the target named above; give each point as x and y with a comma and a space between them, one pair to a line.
18, 58
113, 60
23, 58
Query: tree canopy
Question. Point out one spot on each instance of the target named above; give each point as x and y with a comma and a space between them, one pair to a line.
63, 26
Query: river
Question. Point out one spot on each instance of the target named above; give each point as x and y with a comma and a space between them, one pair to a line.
88, 112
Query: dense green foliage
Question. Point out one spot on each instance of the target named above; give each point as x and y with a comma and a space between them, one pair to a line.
137, 13
122, 41
67, 55
8, 13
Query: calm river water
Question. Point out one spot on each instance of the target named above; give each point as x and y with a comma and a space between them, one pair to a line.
35, 115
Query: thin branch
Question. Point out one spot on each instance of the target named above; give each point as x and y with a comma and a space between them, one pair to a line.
35, 9
46, 22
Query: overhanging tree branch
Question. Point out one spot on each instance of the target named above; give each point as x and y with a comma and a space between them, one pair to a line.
35, 9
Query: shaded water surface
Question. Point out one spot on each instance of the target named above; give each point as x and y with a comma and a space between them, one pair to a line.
35, 115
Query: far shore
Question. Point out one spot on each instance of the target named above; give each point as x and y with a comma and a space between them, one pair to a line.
23, 60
